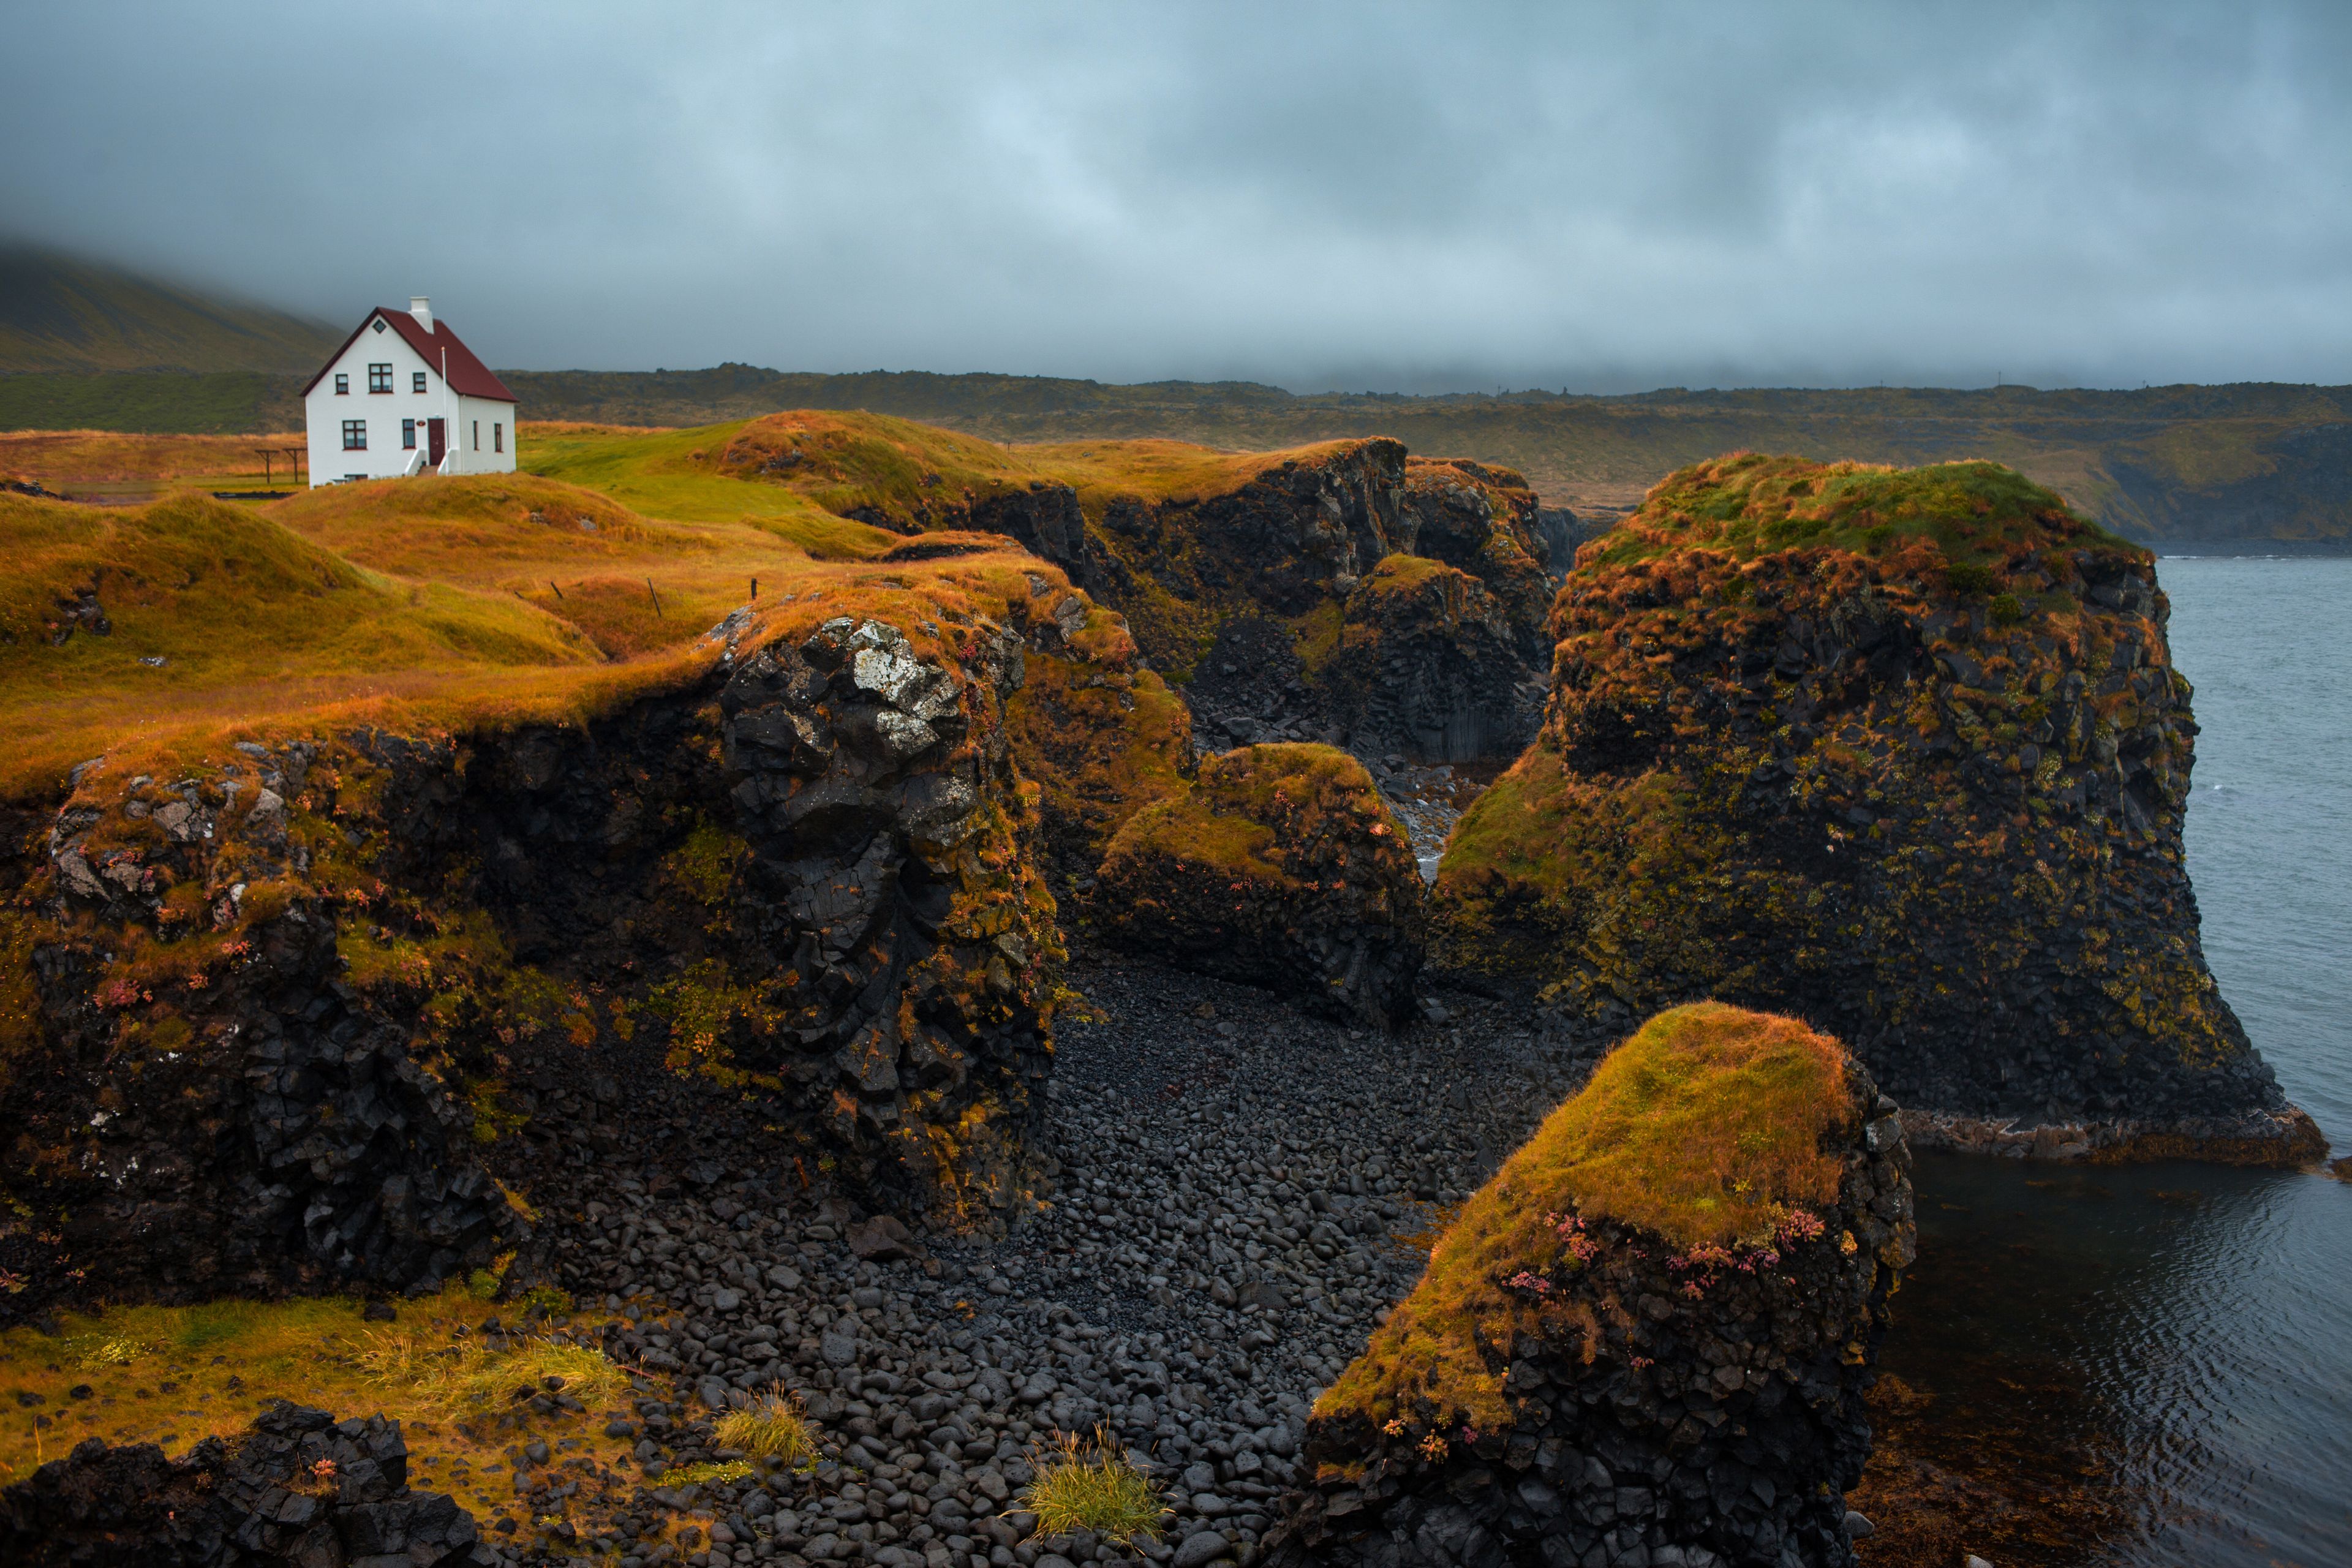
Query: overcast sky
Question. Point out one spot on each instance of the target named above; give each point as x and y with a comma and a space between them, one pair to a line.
1417, 197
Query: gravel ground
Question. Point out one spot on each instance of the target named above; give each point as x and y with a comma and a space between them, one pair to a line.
1245, 1192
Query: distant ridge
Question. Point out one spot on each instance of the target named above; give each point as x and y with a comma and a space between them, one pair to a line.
60, 313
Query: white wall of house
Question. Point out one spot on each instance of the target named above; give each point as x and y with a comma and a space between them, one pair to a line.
483, 439
386, 416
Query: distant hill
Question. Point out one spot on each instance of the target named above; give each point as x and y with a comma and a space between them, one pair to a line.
59, 314
2181, 467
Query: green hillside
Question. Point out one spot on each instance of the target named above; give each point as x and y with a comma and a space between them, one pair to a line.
60, 313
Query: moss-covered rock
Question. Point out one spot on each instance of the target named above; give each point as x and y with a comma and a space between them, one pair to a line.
1281, 866
288, 1007
1903, 753
1651, 1330
1101, 736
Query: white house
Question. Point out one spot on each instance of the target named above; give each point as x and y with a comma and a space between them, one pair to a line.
404, 395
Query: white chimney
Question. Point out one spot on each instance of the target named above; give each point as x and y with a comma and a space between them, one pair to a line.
420, 307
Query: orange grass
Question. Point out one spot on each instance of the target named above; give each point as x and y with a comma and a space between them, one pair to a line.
52, 457
1705, 1127
174, 1376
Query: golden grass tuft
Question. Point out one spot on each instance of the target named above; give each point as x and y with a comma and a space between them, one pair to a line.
774, 1428
1706, 1127
467, 1379
1082, 1485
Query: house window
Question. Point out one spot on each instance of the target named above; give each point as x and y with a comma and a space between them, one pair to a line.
379, 378
498, 436
477, 435
417, 381
342, 386
354, 435
408, 435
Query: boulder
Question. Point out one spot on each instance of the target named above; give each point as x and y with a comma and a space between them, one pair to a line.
1902, 751
300, 1489
1647, 1338
1282, 867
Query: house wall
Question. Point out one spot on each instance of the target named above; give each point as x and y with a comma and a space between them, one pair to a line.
480, 415
324, 412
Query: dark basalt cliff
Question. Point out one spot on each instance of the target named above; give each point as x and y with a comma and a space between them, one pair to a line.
1647, 1339
1280, 868
300, 1489
283, 1004
1902, 752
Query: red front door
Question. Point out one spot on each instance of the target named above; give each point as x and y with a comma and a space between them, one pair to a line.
436, 443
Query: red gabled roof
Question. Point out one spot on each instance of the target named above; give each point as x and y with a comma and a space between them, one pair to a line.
469, 376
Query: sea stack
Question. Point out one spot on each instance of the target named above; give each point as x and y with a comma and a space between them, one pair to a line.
1647, 1338
1902, 752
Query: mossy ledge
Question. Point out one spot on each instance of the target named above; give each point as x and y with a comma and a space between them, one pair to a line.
1900, 751
284, 1001
1651, 1330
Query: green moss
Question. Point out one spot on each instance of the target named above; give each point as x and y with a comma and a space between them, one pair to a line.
1704, 1128
706, 863
1750, 505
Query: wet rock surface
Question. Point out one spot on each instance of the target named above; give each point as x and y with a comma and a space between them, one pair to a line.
300, 1489
1281, 866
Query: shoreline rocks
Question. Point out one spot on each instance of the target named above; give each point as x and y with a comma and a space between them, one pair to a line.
1646, 1338
1898, 752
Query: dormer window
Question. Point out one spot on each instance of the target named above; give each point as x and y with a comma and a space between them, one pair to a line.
379, 378
342, 386
417, 381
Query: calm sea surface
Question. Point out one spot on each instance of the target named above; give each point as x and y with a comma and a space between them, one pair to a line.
2181, 1335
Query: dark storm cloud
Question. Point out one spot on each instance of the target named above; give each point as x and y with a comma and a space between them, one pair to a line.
1364, 196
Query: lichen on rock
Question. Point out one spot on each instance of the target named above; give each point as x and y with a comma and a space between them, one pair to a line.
1651, 1330
1903, 753
1280, 867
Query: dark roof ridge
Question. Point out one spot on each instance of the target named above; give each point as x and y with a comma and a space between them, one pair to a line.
468, 376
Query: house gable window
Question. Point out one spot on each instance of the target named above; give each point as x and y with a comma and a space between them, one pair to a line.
354, 435
498, 436
408, 435
380, 378
342, 386
417, 381
379, 324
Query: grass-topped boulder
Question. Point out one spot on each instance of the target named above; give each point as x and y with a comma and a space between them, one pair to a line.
1281, 866
1651, 1330
1902, 751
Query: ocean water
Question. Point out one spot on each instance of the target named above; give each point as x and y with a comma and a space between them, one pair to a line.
2172, 1344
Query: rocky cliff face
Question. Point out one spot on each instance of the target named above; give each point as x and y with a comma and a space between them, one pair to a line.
1903, 753
300, 1489
285, 1004
1279, 867
1647, 1339
1338, 653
